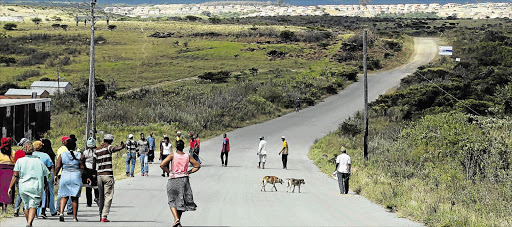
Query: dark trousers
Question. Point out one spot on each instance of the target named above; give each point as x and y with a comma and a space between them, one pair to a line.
222, 154
284, 157
195, 154
164, 156
151, 156
88, 194
343, 182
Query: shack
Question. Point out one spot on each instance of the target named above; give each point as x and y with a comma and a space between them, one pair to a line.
52, 86
24, 118
26, 93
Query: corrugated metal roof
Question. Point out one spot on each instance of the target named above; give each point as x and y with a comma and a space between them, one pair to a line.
28, 92
54, 84
16, 102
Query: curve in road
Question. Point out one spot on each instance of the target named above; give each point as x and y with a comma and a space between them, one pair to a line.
230, 196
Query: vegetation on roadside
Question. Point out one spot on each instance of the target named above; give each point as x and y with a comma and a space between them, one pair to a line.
439, 150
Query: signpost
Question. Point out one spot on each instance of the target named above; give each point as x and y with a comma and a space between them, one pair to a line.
446, 50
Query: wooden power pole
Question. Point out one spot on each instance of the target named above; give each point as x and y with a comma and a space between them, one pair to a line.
365, 81
91, 113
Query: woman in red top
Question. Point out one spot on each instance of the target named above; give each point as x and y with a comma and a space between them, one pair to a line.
179, 192
6, 171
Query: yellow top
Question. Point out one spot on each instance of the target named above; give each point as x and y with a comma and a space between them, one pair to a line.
61, 150
285, 147
6, 159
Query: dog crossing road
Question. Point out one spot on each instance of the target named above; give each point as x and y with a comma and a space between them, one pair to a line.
231, 196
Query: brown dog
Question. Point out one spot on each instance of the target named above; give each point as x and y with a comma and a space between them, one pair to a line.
294, 182
270, 180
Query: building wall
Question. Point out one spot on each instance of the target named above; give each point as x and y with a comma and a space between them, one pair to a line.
25, 121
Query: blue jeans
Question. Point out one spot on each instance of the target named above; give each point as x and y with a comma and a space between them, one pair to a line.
130, 157
68, 204
51, 197
144, 168
17, 205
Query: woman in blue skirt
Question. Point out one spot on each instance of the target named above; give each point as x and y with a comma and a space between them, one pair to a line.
70, 185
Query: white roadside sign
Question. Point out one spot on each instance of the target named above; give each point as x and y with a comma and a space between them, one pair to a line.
445, 50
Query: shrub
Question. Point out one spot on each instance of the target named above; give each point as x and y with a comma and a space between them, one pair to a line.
347, 72
35, 59
216, 77
288, 36
7, 60
28, 74
112, 27
55, 26
7, 86
10, 26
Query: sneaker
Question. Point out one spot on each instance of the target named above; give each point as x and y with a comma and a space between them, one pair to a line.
163, 175
55, 214
104, 220
141, 174
61, 218
16, 214
133, 175
70, 213
43, 216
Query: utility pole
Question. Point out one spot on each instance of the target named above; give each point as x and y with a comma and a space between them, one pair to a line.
365, 81
58, 79
91, 113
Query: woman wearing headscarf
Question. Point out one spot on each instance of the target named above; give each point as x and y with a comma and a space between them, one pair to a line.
179, 192
48, 192
31, 175
90, 172
70, 184
6, 167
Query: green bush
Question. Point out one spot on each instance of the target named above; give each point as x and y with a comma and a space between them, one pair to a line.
216, 77
10, 26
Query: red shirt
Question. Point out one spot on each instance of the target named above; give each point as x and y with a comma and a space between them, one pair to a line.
198, 142
19, 154
192, 143
225, 145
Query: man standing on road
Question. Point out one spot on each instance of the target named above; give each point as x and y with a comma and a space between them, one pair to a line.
225, 150
297, 105
143, 149
152, 146
262, 152
131, 156
197, 146
103, 163
284, 152
343, 170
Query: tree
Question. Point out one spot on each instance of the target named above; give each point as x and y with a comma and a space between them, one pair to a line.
112, 27
10, 26
55, 26
64, 27
287, 35
214, 20
206, 13
36, 20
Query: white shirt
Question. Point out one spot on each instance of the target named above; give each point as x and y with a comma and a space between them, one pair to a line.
262, 148
167, 149
89, 155
343, 160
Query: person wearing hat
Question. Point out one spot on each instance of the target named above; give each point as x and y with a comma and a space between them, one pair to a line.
103, 164
131, 155
48, 192
343, 170
284, 152
6, 171
89, 172
178, 136
31, 175
64, 140
262, 152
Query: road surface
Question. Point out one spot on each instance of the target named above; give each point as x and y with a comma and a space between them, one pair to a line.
230, 196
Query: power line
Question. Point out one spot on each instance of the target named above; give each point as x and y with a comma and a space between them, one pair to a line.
430, 81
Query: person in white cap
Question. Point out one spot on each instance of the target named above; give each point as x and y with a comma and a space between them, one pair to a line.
131, 155
262, 152
89, 172
284, 152
103, 164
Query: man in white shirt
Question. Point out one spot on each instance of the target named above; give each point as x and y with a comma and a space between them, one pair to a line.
262, 152
343, 170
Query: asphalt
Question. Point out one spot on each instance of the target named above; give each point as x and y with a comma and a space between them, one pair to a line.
231, 196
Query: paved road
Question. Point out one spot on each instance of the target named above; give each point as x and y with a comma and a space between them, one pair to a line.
231, 196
